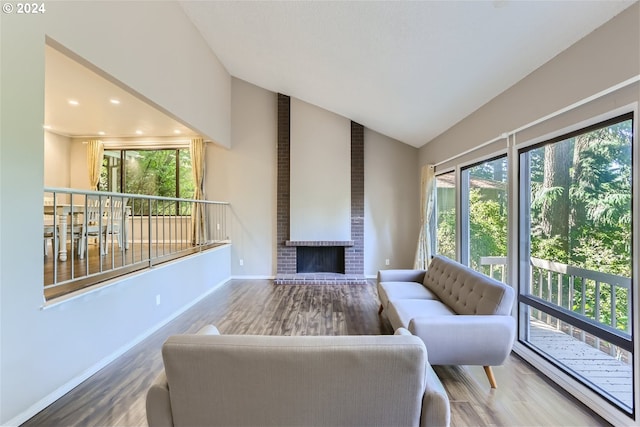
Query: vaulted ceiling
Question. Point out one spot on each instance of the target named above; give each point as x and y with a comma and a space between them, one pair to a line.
409, 70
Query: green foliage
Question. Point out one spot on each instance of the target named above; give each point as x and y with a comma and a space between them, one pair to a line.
600, 225
447, 233
165, 173
487, 227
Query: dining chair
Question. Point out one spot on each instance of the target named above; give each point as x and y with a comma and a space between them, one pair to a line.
50, 235
114, 208
93, 225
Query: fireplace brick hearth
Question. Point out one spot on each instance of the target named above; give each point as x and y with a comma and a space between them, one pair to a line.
286, 249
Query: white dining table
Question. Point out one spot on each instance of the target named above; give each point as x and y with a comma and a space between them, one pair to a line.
63, 211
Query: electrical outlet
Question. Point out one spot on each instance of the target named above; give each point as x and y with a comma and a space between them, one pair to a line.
386, 261
241, 262
158, 299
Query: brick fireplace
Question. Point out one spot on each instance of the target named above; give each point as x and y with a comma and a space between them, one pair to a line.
287, 250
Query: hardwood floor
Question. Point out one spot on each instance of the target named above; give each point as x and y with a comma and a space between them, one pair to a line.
115, 396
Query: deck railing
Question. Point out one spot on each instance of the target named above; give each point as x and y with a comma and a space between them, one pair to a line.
92, 236
601, 297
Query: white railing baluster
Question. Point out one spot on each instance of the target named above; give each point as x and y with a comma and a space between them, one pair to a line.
168, 232
580, 278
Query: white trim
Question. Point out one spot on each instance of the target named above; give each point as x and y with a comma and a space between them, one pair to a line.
74, 382
252, 277
610, 114
635, 247
499, 153
471, 150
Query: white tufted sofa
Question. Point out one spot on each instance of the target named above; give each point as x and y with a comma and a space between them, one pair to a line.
463, 317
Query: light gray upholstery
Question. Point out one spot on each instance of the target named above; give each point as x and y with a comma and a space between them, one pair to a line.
465, 290
244, 380
397, 284
467, 321
158, 402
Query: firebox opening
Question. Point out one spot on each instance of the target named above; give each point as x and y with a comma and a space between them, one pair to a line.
320, 259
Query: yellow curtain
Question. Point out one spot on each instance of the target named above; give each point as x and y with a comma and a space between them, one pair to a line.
199, 231
95, 151
427, 203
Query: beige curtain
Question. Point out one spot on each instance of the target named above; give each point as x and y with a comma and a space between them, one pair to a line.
199, 232
427, 204
95, 151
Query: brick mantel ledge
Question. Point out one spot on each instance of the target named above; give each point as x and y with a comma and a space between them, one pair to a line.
318, 243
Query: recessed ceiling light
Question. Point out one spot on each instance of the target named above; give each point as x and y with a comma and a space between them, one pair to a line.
73, 102
114, 101
47, 127
138, 132
101, 133
177, 131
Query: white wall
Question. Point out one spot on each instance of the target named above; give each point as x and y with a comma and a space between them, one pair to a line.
57, 150
320, 183
392, 203
151, 47
246, 177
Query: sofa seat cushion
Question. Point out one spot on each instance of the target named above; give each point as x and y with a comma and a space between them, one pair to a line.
388, 291
401, 311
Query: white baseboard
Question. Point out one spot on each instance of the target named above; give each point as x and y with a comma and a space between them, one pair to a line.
255, 277
74, 382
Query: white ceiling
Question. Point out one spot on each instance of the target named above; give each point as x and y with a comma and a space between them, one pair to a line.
409, 70
66, 79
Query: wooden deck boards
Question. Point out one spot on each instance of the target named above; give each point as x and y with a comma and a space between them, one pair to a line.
606, 372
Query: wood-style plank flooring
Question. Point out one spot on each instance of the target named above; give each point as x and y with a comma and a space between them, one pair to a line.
115, 396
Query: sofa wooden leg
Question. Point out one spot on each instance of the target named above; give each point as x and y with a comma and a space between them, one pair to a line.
492, 379
380, 310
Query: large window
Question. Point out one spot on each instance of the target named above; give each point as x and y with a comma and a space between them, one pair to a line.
483, 193
165, 173
575, 255
446, 214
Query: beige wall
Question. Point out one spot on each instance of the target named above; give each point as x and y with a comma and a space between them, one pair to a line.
246, 177
604, 58
392, 200
57, 150
320, 183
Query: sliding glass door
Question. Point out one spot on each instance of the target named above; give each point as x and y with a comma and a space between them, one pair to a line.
575, 255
